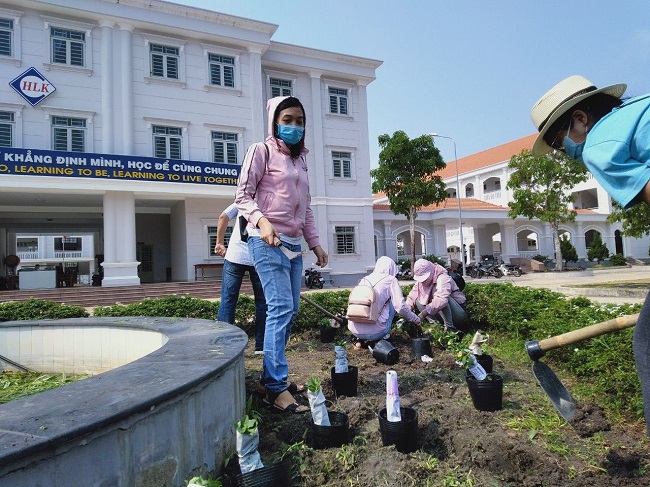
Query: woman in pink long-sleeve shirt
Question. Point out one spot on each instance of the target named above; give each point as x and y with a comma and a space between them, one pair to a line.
391, 300
273, 196
435, 293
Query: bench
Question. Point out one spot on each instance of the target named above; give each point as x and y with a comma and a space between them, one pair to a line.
203, 267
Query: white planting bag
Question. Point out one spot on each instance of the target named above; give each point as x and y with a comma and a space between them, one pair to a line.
318, 408
393, 413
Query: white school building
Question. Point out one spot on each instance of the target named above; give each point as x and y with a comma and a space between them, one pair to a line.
123, 126
486, 227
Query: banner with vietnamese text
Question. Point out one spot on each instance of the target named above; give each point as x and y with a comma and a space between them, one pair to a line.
34, 162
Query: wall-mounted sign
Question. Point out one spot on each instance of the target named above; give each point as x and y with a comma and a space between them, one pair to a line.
33, 86
35, 162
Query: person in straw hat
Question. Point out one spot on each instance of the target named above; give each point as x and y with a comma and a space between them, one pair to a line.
612, 138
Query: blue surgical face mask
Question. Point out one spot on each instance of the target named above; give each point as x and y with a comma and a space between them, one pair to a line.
571, 148
291, 134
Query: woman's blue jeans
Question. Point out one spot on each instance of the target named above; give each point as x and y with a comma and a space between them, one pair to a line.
641, 346
231, 279
281, 279
453, 315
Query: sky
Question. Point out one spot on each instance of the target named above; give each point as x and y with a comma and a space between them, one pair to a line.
466, 69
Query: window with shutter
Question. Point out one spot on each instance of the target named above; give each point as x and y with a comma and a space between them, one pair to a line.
167, 142
68, 134
68, 46
222, 70
344, 239
6, 37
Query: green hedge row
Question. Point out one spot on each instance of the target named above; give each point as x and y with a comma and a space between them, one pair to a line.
604, 366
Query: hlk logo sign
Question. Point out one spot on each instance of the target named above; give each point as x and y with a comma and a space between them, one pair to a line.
33, 86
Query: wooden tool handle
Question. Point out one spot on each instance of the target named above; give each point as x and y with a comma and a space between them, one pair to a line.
338, 319
588, 332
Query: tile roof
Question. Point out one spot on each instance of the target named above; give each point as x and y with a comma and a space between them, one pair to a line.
489, 157
467, 204
451, 204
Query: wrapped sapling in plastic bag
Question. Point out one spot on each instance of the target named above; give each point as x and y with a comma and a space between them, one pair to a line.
475, 346
340, 357
317, 402
393, 413
248, 439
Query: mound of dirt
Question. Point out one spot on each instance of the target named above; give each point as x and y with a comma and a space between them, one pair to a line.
457, 444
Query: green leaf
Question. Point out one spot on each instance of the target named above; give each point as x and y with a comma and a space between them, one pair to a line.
314, 384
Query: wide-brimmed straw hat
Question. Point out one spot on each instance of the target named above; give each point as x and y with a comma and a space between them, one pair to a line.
559, 99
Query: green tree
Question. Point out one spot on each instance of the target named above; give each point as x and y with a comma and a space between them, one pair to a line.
541, 189
598, 249
568, 250
635, 220
406, 173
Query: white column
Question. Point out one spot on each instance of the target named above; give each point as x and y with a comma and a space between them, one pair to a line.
258, 106
364, 140
126, 88
547, 246
578, 241
318, 148
120, 266
106, 63
390, 249
317, 173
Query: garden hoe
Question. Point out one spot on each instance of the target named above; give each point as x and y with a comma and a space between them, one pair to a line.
341, 320
554, 389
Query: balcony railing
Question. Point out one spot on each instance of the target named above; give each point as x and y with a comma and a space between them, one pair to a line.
527, 254
491, 195
27, 255
69, 255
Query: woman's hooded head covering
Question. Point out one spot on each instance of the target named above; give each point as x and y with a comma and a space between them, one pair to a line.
425, 274
386, 265
273, 107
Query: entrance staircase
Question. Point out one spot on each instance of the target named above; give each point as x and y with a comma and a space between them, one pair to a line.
91, 296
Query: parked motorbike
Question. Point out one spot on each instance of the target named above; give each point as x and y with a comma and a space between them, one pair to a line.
491, 270
494, 271
510, 269
313, 279
477, 271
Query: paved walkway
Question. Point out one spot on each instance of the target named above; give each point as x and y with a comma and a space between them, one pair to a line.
569, 283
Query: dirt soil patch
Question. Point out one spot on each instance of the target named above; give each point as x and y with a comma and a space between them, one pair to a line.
525, 444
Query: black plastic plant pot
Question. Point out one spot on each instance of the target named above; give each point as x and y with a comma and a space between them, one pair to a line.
487, 394
267, 476
421, 346
385, 352
486, 361
345, 383
403, 434
332, 436
327, 334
